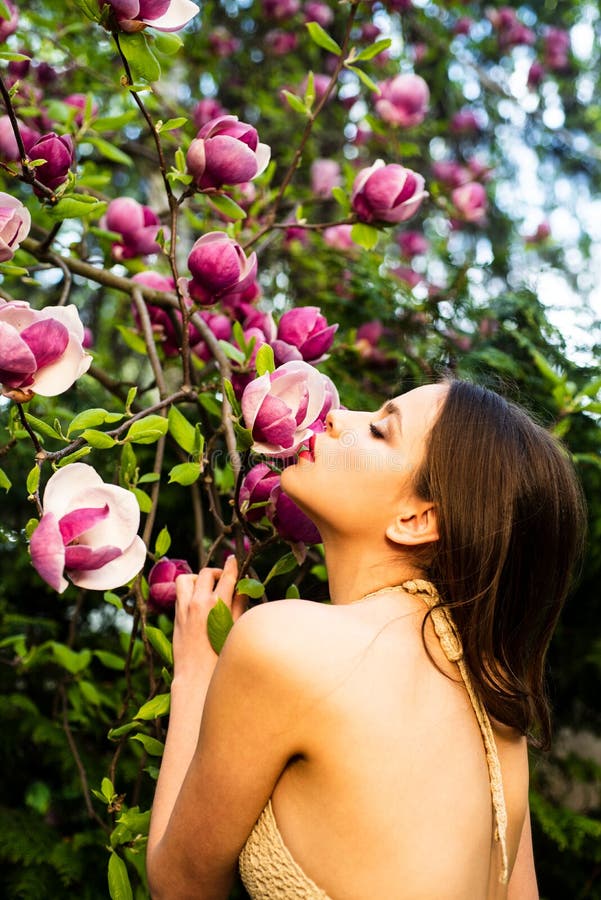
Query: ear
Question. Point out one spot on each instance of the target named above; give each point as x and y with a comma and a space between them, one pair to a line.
411, 527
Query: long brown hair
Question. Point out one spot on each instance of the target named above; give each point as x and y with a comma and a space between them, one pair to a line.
511, 531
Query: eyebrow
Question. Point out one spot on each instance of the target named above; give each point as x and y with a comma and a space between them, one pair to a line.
393, 410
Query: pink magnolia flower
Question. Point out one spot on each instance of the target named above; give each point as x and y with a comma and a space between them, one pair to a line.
403, 100
9, 26
387, 193
8, 144
261, 485
164, 15
15, 222
226, 151
556, 49
463, 25
412, 243
470, 201
88, 530
318, 12
58, 154
161, 583
220, 325
325, 175
222, 42
280, 42
41, 351
80, 101
162, 322
219, 268
206, 110
466, 121
280, 9
450, 172
138, 226
280, 408
303, 333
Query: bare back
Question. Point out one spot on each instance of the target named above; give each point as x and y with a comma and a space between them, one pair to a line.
390, 795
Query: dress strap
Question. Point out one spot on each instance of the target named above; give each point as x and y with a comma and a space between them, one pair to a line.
450, 642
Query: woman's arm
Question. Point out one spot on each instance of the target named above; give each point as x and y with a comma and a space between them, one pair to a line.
213, 787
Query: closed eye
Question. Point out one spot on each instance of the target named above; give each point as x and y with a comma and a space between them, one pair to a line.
375, 431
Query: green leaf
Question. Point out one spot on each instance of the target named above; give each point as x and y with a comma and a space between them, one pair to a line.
116, 734
149, 477
231, 396
74, 457
131, 396
147, 430
74, 206
172, 124
163, 542
244, 438
119, 886
226, 206
98, 439
185, 473
295, 102
265, 361
90, 418
109, 151
181, 430
285, 564
110, 660
367, 81
4, 11
144, 501
107, 790
33, 480
292, 593
43, 427
153, 709
8, 268
365, 235
250, 587
132, 339
69, 659
30, 527
5, 482
129, 464
219, 624
89, 692
372, 51
322, 38
342, 198
160, 643
166, 43
143, 63
150, 744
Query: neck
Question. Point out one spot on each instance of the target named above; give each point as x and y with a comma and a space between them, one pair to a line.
358, 568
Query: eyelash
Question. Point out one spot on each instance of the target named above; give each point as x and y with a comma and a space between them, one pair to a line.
375, 431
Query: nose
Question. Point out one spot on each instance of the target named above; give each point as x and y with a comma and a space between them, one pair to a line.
340, 420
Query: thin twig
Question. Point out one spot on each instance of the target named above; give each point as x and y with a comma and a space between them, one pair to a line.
77, 759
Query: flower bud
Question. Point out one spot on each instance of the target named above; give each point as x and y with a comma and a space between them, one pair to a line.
164, 15
8, 143
470, 202
226, 151
325, 175
387, 193
138, 226
58, 155
219, 268
304, 330
9, 26
161, 583
403, 100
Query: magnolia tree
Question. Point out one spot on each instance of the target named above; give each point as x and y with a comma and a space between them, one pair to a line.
216, 225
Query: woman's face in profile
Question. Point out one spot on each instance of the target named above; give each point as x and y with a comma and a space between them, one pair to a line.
362, 467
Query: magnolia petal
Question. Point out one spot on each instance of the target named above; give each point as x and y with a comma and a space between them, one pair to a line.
290, 382
179, 14
15, 354
115, 573
316, 345
263, 154
70, 489
252, 398
68, 316
77, 521
18, 314
119, 527
229, 160
60, 375
79, 557
47, 340
48, 552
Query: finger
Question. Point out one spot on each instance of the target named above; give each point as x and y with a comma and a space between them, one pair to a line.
227, 582
184, 588
205, 583
239, 606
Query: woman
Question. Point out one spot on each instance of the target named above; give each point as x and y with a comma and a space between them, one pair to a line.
357, 735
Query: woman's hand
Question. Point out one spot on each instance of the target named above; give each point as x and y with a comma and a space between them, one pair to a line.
196, 595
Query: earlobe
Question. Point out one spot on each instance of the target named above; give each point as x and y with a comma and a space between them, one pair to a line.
413, 528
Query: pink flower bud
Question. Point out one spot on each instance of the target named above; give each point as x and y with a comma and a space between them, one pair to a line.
292, 524
161, 583
223, 43
451, 173
280, 9
41, 352
9, 26
463, 25
164, 15
279, 42
470, 201
220, 325
219, 268
536, 74
88, 529
325, 175
226, 151
339, 237
259, 486
466, 121
403, 100
138, 226
307, 331
556, 48
80, 101
412, 243
387, 193
318, 12
206, 110
58, 155
15, 222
